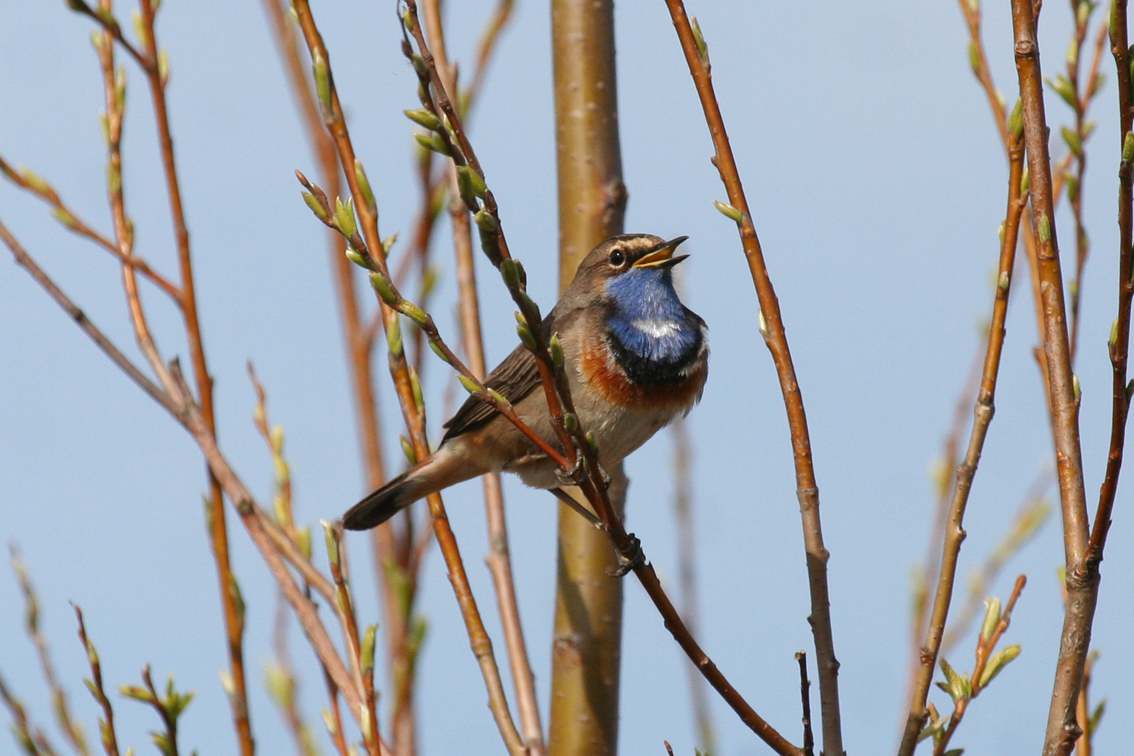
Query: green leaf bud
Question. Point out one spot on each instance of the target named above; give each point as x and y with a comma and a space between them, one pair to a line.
415, 387
1074, 143
344, 217
571, 421
332, 542
407, 449
364, 186
728, 211
499, 398
1004, 280
415, 313
420, 66
316, 206
322, 75
509, 274
467, 176
1044, 224
469, 384
424, 118
699, 41
353, 255
1016, 119
485, 221
1113, 333
991, 618
437, 350
368, 650
526, 336
1128, 147
383, 288
556, 350
394, 337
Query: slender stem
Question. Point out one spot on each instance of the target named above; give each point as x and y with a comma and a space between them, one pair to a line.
984, 649
807, 489
414, 416
499, 559
218, 534
66, 215
1061, 727
687, 575
983, 412
106, 725
100, 339
805, 697
72, 731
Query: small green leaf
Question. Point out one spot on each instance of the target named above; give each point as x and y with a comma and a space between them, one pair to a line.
991, 618
1128, 147
1074, 143
974, 56
316, 206
1044, 224
332, 542
344, 217
999, 661
469, 384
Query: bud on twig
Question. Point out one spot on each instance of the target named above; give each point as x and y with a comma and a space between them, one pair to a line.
383, 288
991, 618
344, 217
729, 211
322, 76
364, 186
425, 118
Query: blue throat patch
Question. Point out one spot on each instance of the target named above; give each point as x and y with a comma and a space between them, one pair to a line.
648, 318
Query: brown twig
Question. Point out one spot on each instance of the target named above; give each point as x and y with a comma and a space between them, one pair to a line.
1063, 390
66, 216
33, 741
586, 469
413, 414
1030, 517
72, 731
982, 416
499, 560
687, 573
107, 733
984, 649
805, 700
772, 328
152, 64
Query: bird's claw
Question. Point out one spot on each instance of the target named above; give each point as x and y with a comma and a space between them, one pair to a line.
629, 558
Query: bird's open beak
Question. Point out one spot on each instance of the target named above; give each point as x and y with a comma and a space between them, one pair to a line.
662, 257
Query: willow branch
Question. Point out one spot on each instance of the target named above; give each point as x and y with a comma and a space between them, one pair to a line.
776, 339
66, 216
1063, 399
499, 559
413, 414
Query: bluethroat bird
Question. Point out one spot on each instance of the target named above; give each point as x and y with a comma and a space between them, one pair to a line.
635, 357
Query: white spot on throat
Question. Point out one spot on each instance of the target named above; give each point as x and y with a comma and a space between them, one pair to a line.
656, 328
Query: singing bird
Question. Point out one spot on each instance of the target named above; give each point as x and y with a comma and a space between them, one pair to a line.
635, 357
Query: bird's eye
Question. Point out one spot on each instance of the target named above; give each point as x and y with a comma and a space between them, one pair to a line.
617, 258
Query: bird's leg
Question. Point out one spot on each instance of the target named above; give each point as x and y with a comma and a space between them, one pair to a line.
630, 557
569, 500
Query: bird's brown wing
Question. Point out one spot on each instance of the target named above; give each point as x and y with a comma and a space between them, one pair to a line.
514, 378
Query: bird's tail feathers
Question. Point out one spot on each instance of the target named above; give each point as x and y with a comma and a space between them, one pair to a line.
428, 477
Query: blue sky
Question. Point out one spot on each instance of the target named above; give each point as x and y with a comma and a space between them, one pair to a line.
877, 185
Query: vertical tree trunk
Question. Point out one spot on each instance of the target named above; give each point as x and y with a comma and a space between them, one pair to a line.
592, 200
